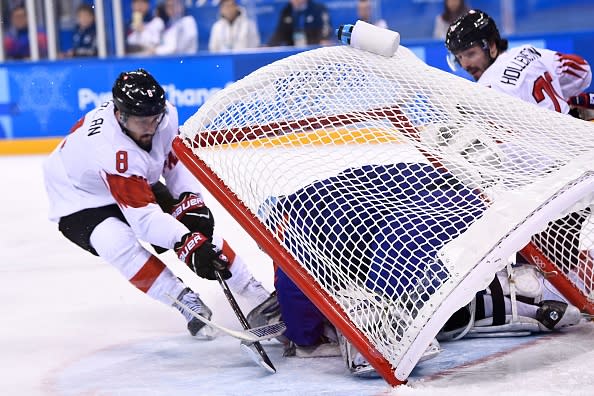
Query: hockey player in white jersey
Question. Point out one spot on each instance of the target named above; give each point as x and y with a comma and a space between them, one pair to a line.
535, 75
105, 194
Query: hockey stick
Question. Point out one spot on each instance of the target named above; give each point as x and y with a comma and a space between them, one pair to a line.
256, 334
255, 350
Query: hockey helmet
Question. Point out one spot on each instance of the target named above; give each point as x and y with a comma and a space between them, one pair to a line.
474, 27
137, 93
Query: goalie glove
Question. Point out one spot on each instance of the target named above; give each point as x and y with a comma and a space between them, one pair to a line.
191, 211
202, 256
583, 100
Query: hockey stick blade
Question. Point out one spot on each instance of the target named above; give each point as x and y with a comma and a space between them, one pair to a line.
252, 351
261, 333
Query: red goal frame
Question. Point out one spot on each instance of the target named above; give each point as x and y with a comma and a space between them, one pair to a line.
267, 241
280, 255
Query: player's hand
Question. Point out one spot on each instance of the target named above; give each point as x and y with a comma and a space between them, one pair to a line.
202, 256
193, 213
584, 100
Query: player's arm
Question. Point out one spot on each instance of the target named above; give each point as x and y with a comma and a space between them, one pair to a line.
137, 202
178, 178
574, 73
189, 207
135, 198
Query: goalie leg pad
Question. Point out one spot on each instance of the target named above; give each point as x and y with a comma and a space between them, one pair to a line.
548, 315
557, 314
305, 322
528, 282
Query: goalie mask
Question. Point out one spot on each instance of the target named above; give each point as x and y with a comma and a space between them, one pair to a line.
473, 28
137, 93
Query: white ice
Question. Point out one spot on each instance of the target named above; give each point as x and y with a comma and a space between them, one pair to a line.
71, 325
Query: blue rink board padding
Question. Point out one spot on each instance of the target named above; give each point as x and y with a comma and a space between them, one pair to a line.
44, 99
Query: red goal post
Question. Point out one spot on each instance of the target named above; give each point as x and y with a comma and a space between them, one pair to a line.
388, 191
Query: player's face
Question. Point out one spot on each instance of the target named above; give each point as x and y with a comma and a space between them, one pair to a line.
143, 129
228, 10
474, 60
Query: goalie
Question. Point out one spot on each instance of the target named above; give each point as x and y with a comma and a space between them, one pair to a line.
104, 192
390, 250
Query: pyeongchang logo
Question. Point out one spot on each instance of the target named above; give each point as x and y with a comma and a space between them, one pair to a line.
189, 97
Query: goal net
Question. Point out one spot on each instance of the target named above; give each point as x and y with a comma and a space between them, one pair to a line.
391, 192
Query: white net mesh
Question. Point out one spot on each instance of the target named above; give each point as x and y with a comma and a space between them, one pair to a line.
568, 244
390, 181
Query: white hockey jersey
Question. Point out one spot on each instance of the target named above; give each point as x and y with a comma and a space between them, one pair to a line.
538, 76
98, 165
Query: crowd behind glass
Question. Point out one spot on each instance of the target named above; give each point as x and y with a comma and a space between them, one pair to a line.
57, 29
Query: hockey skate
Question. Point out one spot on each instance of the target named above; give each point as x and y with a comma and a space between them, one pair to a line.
327, 346
267, 313
196, 327
385, 318
360, 367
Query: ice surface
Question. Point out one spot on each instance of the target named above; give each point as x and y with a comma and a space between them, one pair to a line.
71, 325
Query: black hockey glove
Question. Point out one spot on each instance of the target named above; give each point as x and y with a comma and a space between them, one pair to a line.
202, 256
191, 211
583, 100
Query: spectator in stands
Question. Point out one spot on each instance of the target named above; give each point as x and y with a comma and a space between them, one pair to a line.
16, 38
6, 6
144, 31
452, 10
301, 23
365, 14
84, 41
233, 30
181, 32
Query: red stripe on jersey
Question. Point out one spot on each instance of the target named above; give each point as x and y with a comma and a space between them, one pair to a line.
171, 161
78, 124
133, 191
571, 57
571, 73
228, 252
147, 275
575, 66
